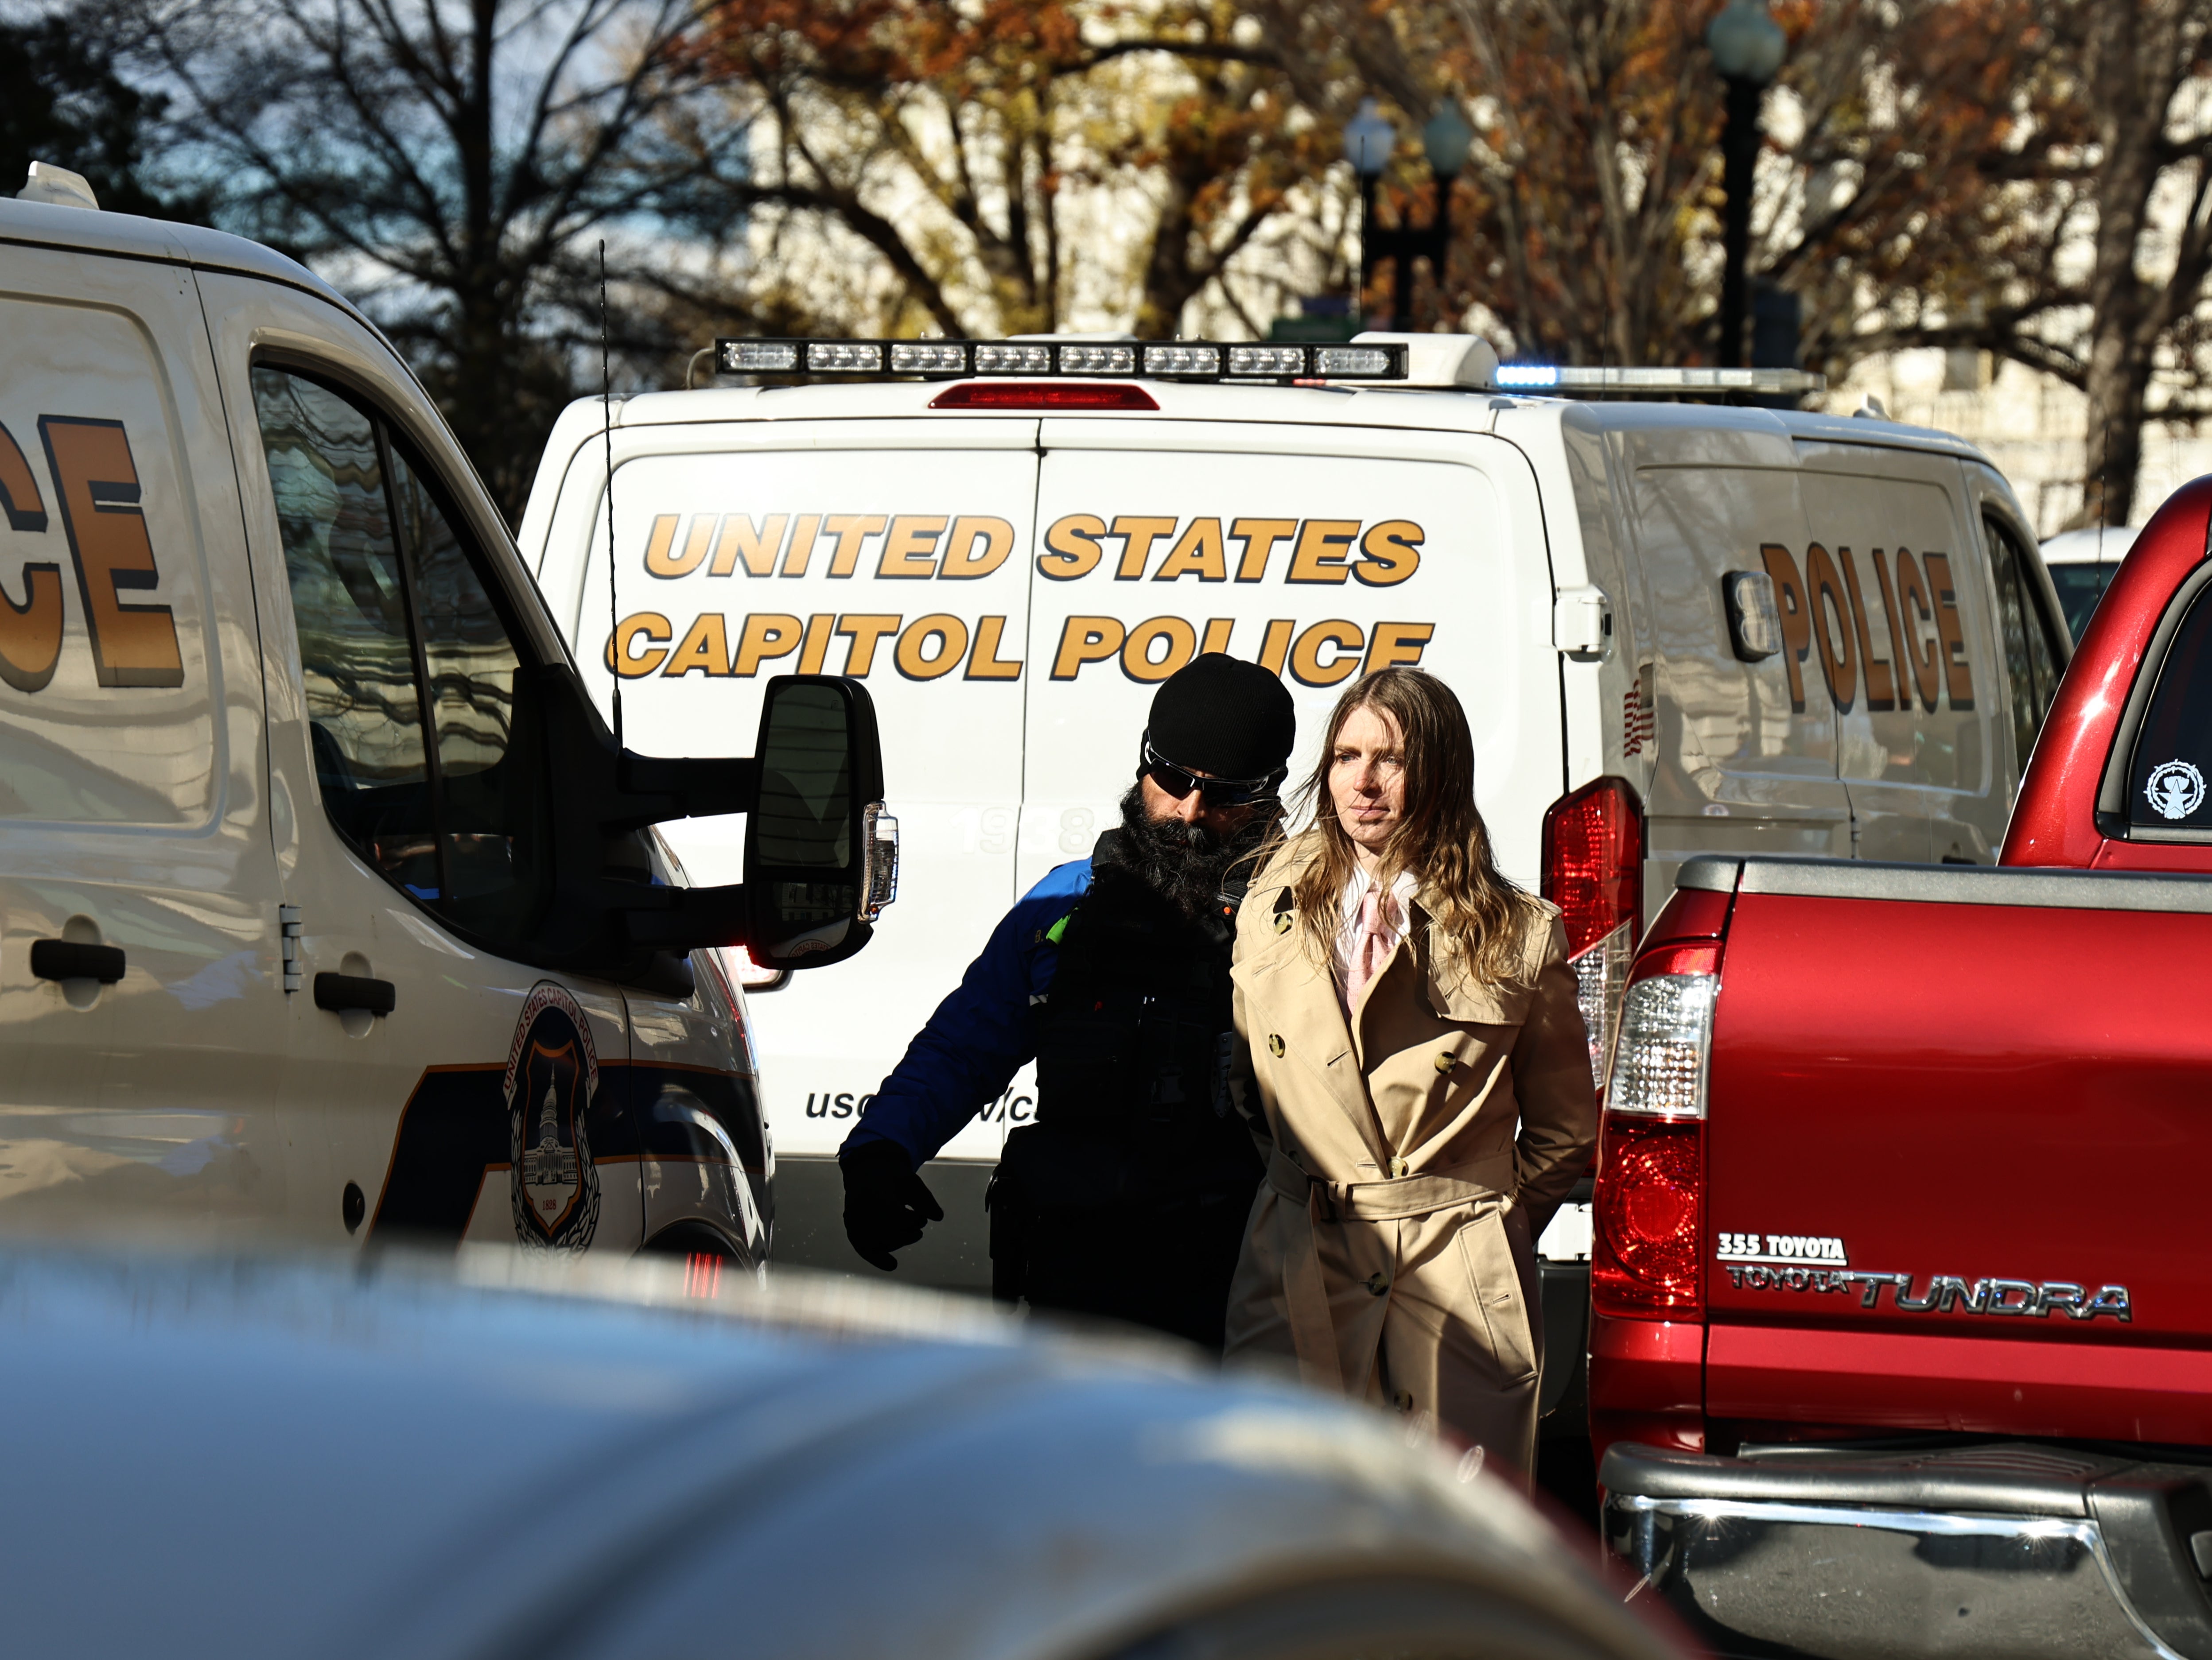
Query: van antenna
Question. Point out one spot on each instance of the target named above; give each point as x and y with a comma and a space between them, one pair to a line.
607, 414
2104, 489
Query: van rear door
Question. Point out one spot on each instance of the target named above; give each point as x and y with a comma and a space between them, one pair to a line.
898, 551
1323, 553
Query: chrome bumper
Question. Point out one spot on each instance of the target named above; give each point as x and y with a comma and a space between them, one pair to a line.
1817, 1564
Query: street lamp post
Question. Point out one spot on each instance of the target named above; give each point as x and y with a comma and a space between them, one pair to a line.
1445, 141
1747, 45
1369, 140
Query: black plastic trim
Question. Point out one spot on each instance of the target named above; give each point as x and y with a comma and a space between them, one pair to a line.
1709, 872
340, 993
65, 959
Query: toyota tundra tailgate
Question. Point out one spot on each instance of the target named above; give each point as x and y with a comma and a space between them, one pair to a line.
1958, 1125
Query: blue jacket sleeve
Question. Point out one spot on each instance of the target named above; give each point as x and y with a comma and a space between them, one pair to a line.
964, 1058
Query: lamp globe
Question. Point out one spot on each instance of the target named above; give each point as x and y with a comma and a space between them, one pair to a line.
1447, 139
1369, 138
1746, 43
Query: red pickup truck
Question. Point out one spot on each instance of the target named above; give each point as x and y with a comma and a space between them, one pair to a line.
1901, 1334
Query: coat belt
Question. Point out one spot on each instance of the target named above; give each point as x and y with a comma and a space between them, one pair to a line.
1313, 1200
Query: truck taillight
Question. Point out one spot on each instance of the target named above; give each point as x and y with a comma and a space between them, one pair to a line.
1649, 1215
1593, 864
1666, 1038
1646, 1256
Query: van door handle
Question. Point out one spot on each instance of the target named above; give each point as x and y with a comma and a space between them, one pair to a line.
343, 993
65, 959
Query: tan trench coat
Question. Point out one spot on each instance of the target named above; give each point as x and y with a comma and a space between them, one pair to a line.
1417, 1153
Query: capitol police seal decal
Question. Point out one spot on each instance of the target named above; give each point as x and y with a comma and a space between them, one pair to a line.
2175, 788
552, 1077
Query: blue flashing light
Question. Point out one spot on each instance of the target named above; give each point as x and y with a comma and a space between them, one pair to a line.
1526, 375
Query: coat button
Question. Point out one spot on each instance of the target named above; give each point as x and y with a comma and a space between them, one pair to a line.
1446, 1061
1282, 922
1378, 1282
1275, 1043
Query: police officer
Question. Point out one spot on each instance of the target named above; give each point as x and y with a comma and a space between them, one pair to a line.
1128, 1197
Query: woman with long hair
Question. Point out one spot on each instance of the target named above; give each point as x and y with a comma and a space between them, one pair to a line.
1421, 1064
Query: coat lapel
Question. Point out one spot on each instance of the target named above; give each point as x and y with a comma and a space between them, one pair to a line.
1293, 994
1455, 992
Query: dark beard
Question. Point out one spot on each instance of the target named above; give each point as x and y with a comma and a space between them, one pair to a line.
1184, 864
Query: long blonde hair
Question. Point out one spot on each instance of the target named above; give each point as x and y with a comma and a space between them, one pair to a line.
1442, 836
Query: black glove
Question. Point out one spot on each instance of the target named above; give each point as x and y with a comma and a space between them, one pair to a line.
886, 1204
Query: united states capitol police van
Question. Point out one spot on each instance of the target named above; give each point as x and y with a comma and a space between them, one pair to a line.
329, 909
1677, 629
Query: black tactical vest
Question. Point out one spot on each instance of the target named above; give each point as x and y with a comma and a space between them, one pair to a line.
1136, 1041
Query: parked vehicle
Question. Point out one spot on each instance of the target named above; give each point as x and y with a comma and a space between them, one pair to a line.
329, 906
1678, 629
2082, 564
1894, 1291
259, 1461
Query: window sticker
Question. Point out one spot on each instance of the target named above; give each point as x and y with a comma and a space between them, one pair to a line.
2175, 789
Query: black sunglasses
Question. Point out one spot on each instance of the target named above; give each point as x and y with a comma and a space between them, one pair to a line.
1180, 781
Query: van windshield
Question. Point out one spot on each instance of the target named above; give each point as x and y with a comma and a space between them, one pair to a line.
2080, 587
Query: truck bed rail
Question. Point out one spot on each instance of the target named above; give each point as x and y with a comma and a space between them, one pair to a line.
1949, 884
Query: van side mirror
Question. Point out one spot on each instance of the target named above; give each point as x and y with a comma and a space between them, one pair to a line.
821, 854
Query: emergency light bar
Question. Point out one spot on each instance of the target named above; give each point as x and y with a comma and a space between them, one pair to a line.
1464, 362
1551, 378
1181, 359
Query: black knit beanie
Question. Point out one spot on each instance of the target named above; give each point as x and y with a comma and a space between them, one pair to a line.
1221, 715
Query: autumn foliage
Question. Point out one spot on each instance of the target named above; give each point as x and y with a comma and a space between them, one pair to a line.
2031, 178
959, 143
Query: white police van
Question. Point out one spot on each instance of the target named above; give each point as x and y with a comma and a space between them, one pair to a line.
2082, 564
328, 907
1677, 629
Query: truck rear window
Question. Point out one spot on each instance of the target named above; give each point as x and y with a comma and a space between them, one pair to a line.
2173, 752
